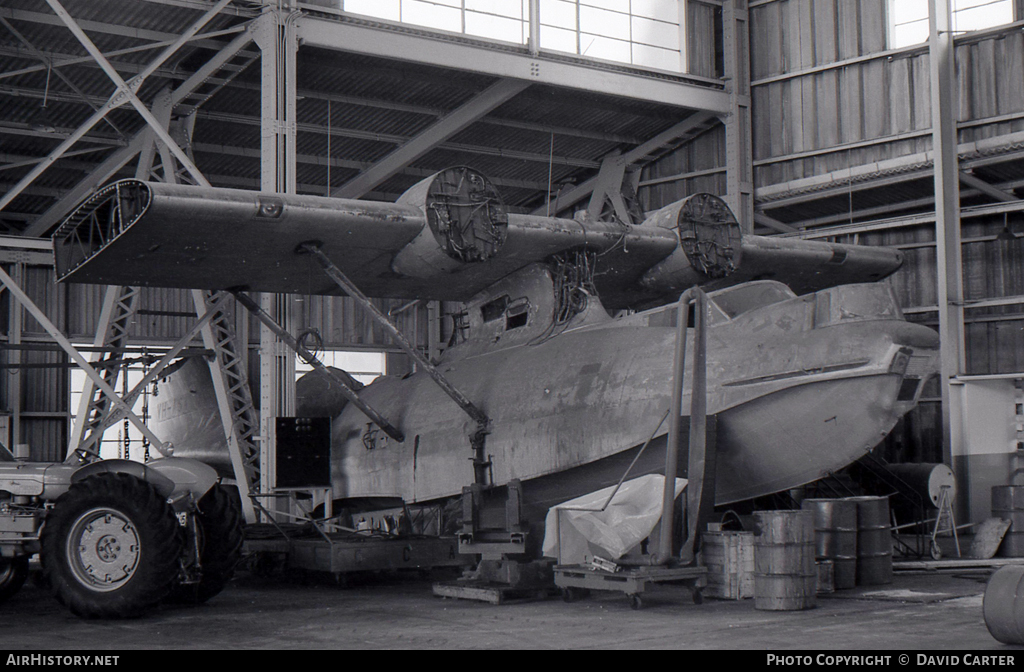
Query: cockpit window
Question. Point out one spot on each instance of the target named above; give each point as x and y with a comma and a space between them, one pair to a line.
735, 301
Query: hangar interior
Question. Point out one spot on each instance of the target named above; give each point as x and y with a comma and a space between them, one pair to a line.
824, 120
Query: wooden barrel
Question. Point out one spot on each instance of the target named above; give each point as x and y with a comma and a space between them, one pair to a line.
785, 576
835, 534
874, 541
1008, 504
1003, 605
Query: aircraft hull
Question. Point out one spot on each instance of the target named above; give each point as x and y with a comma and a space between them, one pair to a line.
569, 421
800, 388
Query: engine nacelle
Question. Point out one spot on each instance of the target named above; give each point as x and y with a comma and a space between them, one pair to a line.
709, 243
466, 223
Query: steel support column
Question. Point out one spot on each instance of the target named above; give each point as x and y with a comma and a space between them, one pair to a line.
276, 36
949, 259
738, 143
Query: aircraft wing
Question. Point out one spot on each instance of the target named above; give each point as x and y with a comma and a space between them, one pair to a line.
448, 238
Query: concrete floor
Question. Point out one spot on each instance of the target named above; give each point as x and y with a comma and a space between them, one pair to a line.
921, 611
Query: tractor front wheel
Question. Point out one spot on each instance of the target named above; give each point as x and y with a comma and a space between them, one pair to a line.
13, 572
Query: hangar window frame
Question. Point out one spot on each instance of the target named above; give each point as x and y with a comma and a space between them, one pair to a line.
908, 19
647, 34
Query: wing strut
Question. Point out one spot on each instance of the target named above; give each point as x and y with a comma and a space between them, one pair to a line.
311, 359
335, 274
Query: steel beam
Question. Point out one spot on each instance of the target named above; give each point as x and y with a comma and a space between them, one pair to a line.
772, 223
62, 340
123, 92
56, 71
445, 127
121, 157
468, 56
60, 60
636, 155
986, 188
127, 92
947, 221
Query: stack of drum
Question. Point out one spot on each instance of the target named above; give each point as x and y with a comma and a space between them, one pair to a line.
835, 528
1008, 504
874, 541
785, 576
854, 533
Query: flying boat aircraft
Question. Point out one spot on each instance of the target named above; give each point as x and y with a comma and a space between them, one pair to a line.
563, 366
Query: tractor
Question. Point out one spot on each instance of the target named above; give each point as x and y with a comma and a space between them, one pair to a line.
117, 537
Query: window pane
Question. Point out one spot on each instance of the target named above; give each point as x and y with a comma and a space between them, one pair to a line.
664, 10
653, 57
558, 13
615, 5
507, 8
604, 23
597, 46
383, 9
983, 16
558, 39
905, 11
656, 33
430, 15
495, 27
910, 33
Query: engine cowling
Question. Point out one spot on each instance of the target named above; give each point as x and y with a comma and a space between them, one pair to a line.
709, 243
466, 223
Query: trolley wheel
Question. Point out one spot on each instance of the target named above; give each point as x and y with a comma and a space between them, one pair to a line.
698, 596
935, 551
635, 602
574, 594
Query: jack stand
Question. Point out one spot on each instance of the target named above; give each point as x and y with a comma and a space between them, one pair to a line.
499, 576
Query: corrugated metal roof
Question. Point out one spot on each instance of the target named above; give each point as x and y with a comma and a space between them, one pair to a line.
376, 105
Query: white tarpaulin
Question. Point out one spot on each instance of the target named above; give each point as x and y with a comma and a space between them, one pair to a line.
573, 535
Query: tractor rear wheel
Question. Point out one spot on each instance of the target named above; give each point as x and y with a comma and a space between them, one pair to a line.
218, 534
111, 547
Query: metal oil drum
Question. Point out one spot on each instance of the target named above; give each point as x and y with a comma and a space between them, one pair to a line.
874, 541
835, 534
1008, 504
785, 575
1003, 605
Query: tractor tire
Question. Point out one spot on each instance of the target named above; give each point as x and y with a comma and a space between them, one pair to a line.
111, 547
13, 572
218, 520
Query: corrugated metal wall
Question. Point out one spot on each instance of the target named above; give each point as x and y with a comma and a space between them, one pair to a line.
828, 95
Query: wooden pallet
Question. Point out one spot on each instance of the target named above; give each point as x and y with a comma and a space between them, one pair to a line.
491, 593
963, 563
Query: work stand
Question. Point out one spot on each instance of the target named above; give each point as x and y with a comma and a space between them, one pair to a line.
664, 566
502, 573
577, 581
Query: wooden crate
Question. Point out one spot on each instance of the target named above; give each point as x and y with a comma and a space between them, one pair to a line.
729, 558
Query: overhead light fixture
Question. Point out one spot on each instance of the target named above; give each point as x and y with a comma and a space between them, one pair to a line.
1006, 234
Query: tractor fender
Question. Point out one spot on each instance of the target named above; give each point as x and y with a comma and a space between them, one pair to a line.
144, 472
187, 475
172, 477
